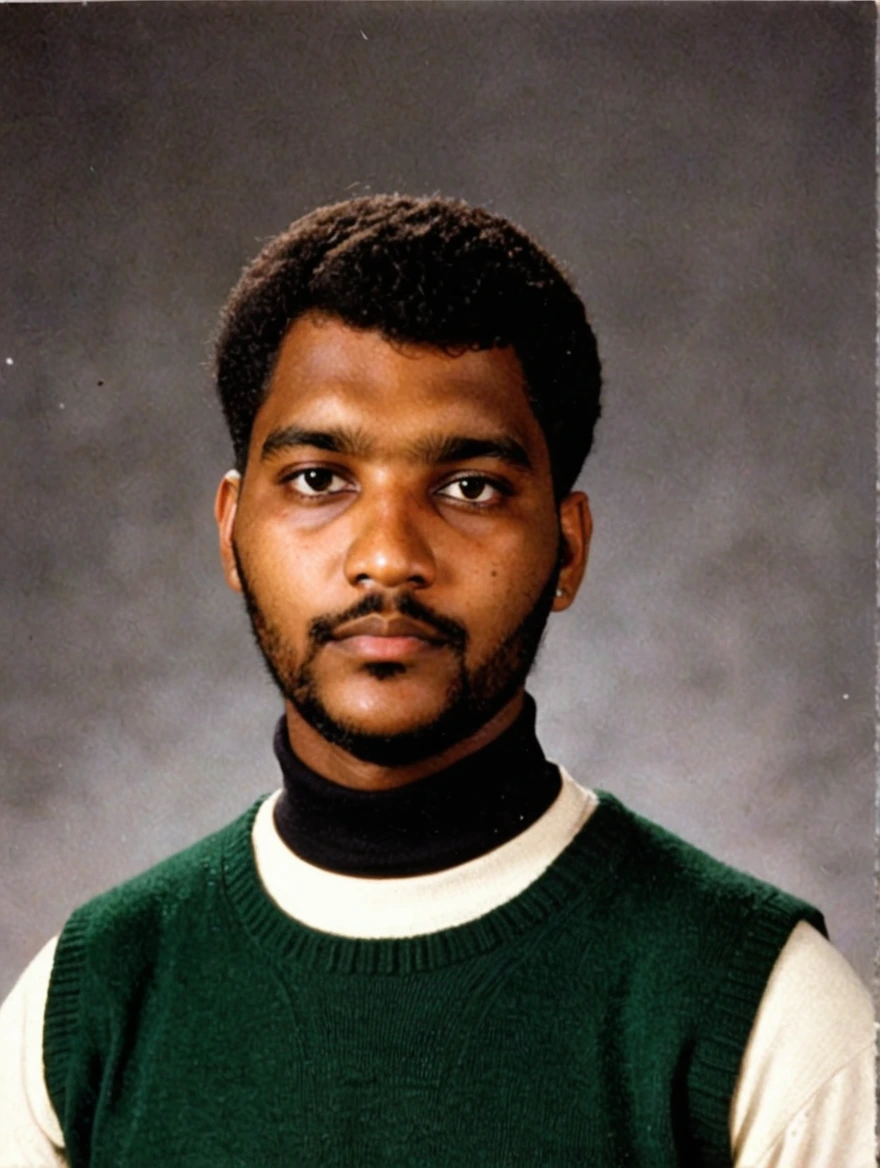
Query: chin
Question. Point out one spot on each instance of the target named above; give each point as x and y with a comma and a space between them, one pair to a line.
385, 702
395, 719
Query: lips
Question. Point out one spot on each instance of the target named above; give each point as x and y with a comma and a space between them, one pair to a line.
386, 638
392, 626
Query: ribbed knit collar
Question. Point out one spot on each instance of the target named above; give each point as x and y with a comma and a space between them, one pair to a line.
586, 872
437, 822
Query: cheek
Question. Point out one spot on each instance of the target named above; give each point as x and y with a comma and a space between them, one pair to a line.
519, 564
282, 582
503, 591
301, 558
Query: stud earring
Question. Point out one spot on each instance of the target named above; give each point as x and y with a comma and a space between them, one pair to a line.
560, 592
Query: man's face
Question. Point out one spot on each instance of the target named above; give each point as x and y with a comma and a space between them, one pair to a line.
396, 537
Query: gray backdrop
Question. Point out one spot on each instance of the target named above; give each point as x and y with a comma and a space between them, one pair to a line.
706, 173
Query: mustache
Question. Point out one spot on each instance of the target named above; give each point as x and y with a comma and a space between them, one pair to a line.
322, 628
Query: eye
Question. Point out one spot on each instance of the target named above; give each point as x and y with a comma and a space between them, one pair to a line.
473, 489
317, 481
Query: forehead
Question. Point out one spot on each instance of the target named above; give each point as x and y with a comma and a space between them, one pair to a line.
329, 373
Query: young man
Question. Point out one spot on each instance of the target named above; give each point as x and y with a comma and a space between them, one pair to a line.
431, 947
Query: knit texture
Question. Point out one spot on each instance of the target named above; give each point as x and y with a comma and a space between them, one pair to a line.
598, 1018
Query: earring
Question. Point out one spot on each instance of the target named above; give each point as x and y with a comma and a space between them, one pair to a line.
560, 592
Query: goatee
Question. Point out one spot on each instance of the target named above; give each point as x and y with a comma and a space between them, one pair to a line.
472, 698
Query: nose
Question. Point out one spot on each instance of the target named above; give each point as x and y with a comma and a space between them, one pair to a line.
389, 547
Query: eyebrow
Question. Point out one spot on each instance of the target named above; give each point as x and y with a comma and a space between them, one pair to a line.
434, 449
441, 448
337, 440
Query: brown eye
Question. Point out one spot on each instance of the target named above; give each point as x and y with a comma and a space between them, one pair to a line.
315, 481
473, 489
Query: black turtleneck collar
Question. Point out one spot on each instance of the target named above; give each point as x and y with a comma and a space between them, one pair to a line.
437, 822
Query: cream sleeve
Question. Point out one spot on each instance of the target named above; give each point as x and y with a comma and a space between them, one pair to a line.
805, 1094
30, 1135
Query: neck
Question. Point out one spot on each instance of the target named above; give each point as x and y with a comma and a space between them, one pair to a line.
337, 765
451, 816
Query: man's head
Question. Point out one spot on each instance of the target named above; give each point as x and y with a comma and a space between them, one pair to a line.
411, 388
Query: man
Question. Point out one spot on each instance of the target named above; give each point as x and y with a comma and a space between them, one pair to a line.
432, 947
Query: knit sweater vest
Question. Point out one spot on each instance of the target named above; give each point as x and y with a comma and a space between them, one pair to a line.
598, 1018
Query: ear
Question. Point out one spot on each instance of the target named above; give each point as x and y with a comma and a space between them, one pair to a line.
225, 507
576, 527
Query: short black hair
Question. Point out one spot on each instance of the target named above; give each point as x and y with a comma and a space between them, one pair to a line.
432, 271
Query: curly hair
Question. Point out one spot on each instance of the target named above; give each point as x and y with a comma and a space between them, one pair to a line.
432, 271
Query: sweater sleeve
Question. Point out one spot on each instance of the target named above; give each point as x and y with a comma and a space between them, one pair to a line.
30, 1135
805, 1093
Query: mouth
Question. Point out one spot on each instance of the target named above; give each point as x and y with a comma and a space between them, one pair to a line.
375, 638
384, 648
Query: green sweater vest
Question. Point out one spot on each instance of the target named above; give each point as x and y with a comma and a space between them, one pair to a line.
597, 1019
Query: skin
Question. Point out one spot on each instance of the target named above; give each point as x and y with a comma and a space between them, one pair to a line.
396, 511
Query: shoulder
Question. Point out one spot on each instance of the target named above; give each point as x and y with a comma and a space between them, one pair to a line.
112, 948
806, 1078
701, 940
29, 1130
174, 878
666, 874
111, 934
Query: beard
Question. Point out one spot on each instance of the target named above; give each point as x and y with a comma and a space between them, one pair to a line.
473, 697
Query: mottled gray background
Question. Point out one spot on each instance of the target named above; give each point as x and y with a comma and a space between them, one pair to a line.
705, 171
